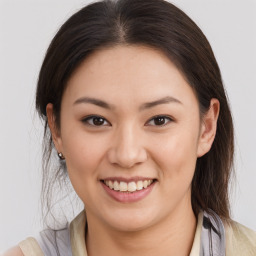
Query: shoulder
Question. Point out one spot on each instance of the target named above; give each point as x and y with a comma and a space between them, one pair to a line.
27, 247
239, 239
14, 251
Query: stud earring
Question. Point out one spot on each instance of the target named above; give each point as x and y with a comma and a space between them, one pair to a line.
61, 156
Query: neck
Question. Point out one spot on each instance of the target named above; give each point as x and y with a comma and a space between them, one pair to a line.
172, 236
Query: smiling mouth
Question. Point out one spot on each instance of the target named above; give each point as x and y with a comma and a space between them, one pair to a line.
133, 186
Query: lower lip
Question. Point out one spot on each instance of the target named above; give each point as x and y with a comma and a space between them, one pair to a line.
128, 197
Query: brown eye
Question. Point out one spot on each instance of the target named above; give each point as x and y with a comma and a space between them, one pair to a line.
160, 120
98, 121
95, 121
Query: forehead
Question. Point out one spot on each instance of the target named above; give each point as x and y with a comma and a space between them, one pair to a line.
143, 61
134, 73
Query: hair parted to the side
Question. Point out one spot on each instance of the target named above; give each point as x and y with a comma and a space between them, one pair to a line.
161, 25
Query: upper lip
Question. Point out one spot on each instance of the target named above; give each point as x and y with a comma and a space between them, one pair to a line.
136, 178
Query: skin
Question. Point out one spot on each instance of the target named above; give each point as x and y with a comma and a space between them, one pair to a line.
131, 143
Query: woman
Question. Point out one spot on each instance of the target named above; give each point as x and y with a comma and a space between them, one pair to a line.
134, 104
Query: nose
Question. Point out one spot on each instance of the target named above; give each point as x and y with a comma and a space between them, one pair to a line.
127, 149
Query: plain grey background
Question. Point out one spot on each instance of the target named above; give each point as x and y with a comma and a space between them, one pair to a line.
26, 28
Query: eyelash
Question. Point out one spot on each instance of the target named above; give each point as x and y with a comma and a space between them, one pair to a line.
85, 120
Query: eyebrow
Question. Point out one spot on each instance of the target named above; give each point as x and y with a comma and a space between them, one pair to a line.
165, 100
144, 106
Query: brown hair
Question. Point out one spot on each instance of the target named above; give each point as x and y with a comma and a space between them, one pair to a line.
161, 25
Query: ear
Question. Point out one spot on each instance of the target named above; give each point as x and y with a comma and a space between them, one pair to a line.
54, 129
208, 128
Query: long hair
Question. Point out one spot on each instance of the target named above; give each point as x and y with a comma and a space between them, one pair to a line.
160, 25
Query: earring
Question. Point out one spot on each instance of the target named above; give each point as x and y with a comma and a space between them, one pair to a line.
61, 156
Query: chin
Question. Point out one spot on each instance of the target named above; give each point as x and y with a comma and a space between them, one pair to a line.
131, 220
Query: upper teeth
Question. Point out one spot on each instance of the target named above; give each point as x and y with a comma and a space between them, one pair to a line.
130, 186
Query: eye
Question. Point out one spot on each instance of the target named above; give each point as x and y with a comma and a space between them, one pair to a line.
95, 121
160, 120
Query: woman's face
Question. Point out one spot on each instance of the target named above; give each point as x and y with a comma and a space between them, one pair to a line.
110, 133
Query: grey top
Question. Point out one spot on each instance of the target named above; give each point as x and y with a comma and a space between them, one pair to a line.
212, 235
55, 242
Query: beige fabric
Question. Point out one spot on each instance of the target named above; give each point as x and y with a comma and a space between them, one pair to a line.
30, 247
77, 235
240, 241
196, 244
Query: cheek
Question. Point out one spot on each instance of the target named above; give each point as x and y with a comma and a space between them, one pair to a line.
83, 153
177, 155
